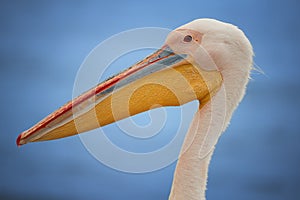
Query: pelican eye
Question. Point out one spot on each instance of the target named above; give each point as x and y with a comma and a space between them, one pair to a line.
187, 38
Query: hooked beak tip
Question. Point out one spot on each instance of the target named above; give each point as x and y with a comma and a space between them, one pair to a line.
18, 141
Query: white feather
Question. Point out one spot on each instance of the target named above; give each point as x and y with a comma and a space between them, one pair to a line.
232, 53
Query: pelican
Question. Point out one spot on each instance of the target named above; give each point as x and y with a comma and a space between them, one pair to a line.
205, 60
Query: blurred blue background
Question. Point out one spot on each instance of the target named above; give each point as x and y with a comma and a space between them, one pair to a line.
42, 46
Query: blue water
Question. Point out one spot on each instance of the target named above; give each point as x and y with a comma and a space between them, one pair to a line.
42, 46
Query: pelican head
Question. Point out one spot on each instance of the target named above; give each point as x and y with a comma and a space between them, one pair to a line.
195, 61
